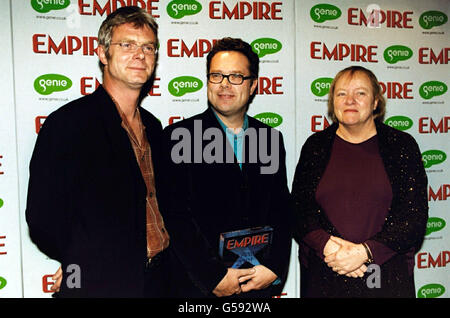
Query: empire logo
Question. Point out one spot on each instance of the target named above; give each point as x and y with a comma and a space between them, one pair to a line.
270, 86
344, 51
179, 48
38, 122
428, 56
1, 172
426, 260
319, 123
89, 84
441, 194
248, 241
396, 90
427, 125
256, 10
374, 17
68, 45
2, 245
93, 7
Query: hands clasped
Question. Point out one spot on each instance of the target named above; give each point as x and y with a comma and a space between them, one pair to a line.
244, 280
345, 258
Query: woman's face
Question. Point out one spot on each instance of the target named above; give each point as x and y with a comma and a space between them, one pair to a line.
354, 101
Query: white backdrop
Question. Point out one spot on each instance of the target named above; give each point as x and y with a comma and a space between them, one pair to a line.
302, 44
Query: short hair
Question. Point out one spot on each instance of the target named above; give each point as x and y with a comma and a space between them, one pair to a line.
129, 14
237, 45
380, 110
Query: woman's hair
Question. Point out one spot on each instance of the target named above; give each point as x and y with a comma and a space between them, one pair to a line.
379, 111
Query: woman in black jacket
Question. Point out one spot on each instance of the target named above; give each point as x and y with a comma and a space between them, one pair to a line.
360, 195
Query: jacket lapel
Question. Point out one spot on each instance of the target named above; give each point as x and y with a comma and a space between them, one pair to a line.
117, 136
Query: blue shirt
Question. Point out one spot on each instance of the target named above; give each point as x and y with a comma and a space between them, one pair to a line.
235, 140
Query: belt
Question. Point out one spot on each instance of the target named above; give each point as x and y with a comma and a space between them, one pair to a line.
155, 260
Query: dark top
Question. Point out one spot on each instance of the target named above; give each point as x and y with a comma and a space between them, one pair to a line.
359, 206
86, 196
403, 228
207, 199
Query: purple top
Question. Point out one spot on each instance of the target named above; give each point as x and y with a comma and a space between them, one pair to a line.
355, 193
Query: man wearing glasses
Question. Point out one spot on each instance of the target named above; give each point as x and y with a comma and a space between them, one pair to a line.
95, 173
228, 216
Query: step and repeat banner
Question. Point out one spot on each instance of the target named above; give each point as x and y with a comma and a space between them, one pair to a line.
49, 58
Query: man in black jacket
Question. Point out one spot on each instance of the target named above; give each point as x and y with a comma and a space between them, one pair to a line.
228, 211
92, 199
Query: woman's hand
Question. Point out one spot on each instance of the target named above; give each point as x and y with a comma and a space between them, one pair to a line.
348, 260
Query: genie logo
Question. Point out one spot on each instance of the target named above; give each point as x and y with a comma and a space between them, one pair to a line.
49, 83
323, 12
44, 6
431, 19
177, 9
1, 203
396, 53
265, 46
431, 89
184, 84
321, 86
431, 291
433, 157
271, 119
434, 225
399, 122
2, 282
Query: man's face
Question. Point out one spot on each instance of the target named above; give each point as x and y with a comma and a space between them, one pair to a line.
227, 99
130, 69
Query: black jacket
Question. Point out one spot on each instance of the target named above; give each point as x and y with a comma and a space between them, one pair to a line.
405, 225
86, 196
207, 199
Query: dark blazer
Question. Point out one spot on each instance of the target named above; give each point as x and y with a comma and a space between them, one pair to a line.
86, 196
206, 199
403, 230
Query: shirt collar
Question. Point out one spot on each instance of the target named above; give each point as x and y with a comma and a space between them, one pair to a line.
225, 128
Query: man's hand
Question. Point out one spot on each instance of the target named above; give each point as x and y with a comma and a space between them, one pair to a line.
229, 284
57, 277
260, 279
348, 258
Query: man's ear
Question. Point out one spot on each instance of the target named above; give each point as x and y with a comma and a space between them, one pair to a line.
253, 87
102, 54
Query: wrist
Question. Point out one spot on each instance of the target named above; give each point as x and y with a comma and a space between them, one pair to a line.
368, 253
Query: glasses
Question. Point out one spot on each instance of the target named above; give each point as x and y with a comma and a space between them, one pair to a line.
129, 47
235, 79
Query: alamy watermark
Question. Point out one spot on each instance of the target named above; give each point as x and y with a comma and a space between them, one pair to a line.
262, 145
